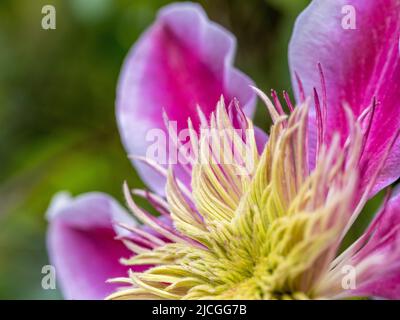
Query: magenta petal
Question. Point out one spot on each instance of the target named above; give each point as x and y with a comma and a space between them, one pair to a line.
391, 170
387, 286
261, 139
381, 254
82, 245
182, 61
359, 65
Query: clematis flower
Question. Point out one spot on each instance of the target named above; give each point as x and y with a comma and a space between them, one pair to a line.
269, 223
268, 233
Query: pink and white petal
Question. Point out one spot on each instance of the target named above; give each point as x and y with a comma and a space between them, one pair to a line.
386, 286
82, 246
377, 257
261, 139
182, 61
358, 65
391, 169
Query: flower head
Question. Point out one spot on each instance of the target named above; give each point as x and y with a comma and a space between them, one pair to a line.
242, 218
268, 233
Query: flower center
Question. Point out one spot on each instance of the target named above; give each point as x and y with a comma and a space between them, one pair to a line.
267, 231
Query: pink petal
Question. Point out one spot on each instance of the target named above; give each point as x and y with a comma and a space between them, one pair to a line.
261, 139
387, 286
181, 61
380, 252
358, 65
82, 245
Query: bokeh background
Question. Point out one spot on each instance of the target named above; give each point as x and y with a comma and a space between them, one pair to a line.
57, 122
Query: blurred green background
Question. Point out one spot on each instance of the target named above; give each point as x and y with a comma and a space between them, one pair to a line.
57, 122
